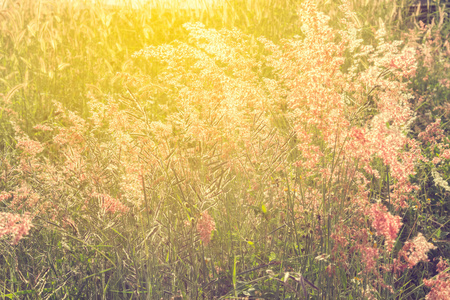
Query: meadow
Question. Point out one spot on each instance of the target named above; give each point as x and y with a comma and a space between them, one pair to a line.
256, 149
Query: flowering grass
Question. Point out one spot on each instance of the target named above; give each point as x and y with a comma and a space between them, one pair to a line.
307, 161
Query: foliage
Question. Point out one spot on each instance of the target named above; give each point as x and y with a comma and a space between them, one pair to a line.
199, 160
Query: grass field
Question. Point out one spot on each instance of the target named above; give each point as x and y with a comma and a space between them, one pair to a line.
255, 149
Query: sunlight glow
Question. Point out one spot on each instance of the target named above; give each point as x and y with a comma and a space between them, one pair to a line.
180, 4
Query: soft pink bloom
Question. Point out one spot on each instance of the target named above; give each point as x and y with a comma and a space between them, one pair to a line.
413, 252
370, 256
43, 127
385, 223
205, 226
440, 285
29, 147
4, 196
110, 204
15, 225
446, 154
432, 133
445, 82
419, 250
436, 160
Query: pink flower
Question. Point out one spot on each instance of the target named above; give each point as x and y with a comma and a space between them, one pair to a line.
370, 256
4, 196
42, 127
110, 204
440, 284
436, 160
432, 133
15, 225
30, 147
205, 226
413, 252
385, 224
419, 249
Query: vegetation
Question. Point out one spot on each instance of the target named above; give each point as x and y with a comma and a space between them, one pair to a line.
256, 149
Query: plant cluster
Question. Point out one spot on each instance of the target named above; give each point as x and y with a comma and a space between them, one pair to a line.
223, 164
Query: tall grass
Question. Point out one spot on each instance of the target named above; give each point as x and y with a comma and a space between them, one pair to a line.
158, 160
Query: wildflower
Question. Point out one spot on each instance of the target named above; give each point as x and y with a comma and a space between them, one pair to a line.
110, 204
419, 250
433, 133
369, 257
331, 270
413, 252
42, 127
439, 181
30, 147
15, 225
356, 280
440, 284
4, 196
322, 257
205, 226
385, 223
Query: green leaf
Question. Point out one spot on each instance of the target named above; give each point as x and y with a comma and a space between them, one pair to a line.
343, 278
234, 277
263, 208
98, 273
272, 256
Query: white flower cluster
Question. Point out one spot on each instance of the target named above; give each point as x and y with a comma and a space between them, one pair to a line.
439, 181
406, 128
